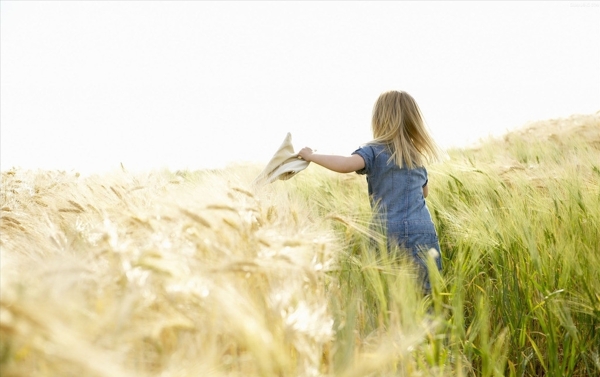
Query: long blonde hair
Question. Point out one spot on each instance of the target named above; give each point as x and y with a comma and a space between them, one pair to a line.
398, 123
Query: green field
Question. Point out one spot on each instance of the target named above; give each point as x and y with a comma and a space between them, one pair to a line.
197, 273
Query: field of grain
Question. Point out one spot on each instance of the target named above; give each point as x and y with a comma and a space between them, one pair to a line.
197, 273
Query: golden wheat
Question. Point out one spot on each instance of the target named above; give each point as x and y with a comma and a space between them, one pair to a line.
197, 273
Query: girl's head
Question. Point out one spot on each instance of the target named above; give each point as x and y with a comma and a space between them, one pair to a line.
398, 123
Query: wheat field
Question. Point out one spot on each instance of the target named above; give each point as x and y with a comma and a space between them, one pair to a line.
197, 273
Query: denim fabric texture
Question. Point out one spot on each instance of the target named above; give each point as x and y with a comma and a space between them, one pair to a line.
397, 194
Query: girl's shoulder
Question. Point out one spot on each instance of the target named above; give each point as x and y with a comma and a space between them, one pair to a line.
372, 150
377, 148
380, 154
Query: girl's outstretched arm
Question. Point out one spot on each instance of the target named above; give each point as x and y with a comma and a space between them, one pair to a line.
340, 164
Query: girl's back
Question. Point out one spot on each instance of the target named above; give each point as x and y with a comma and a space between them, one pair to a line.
394, 191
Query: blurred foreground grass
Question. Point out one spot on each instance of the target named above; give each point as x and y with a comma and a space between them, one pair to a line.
195, 273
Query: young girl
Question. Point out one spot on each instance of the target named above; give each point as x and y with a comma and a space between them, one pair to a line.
397, 179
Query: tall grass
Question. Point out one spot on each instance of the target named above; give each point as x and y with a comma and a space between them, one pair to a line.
520, 220
197, 273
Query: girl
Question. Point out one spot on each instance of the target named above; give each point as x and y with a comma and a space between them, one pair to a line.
397, 179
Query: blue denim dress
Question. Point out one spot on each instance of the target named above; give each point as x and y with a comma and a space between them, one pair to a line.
397, 194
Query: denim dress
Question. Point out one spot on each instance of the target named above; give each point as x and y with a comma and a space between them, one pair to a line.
397, 195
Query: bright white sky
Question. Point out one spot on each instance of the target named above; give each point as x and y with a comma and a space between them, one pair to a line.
182, 84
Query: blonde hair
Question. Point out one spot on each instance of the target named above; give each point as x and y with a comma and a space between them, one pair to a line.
398, 123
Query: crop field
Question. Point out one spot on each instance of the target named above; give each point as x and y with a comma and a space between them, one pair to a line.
198, 273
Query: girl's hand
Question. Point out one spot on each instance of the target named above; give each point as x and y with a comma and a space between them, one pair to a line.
305, 153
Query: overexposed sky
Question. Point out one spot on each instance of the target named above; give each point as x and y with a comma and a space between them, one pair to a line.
88, 85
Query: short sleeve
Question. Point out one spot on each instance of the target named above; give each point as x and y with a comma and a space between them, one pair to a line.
426, 178
367, 154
